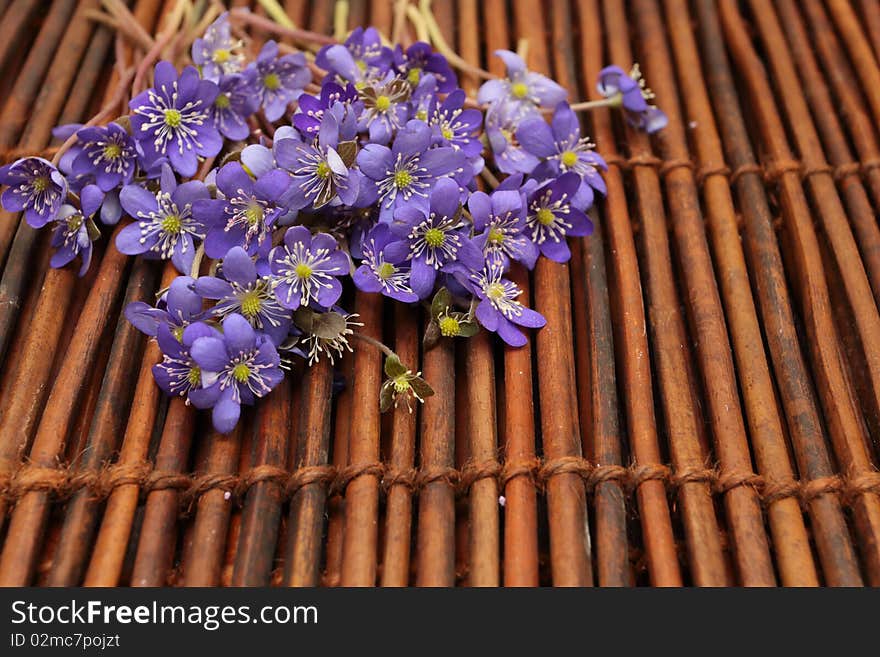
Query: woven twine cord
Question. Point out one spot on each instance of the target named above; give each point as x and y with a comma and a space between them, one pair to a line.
62, 483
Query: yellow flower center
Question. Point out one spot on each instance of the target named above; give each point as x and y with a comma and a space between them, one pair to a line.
401, 384
271, 81
222, 101
402, 179
569, 159
74, 222
112, 151
422, 115
414, 75
495, 291
447, 133
322, 170
361, 64
172, 118
383, 103
434, 237
41, 184
496, 236
251, 304
546, 217
221, 56
241, 372
195, 375
386, 271
449, 327
178, 333
254, 214
171, 224
519, 89
303, 270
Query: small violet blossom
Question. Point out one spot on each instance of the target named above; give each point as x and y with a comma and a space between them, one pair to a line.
631, 93
552, 216
246, 213
305, 269
522, 91
500, 224
499, 311
165, 226
379, 271
243, 291
36, 187
436, 239
71, 238
236, 100
403, 174
236, 369
562, 149
178, 374
179, 307
172, 119
217, 53
279, 80
419, 60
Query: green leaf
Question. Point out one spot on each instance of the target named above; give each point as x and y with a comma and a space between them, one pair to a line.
421, 387
468, 329
347, 151
441, 301
393, 366
94, 233
432, 336
386, 398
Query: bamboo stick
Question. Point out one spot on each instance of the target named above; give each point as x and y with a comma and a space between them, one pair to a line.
30, 514
632, 344
399, 480
791, 541
840, 411
671, 353
566, 496
832, 540
302, 564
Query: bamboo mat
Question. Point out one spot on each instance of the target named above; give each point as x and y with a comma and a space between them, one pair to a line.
703, 407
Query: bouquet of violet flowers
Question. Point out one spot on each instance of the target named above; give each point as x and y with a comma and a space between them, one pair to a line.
271, 182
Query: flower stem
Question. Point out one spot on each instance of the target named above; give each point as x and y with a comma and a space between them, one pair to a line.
197, 261
276, 13
245, 16
372, 341
340, 19
441, 44
594, 104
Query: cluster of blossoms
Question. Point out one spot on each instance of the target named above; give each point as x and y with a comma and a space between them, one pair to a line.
369, 174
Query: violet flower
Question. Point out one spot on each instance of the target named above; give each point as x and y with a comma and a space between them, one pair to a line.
498, 310
562, 149
243, 291
305, 269
522, 91
179, 307
165, 226
552, 216
631, 93
404, 173
382, 272
172, 119
235, 369
385, 108
279, 80
36, 187
320, 176
71, 238
107, 154
420, 59
361, 57
178, 374
216, 53
310, 109
435, 239
246, 213
455, 126
500, 223
502, 126
235, 102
